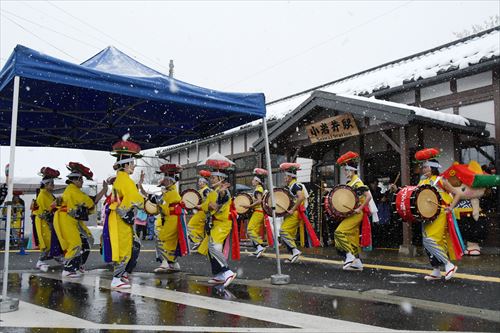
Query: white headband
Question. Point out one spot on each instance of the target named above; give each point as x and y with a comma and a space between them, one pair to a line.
432, 164
350, 168
257, 179
170, 178
46, 181
74, 174
125, 160
220, 174
290, 174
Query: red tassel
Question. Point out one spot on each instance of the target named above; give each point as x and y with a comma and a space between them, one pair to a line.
455, 243
309, 228
366, 229
235, 249
180, 232
269, 231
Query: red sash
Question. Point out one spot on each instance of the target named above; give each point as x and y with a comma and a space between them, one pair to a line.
183, 247
235, 244
309, 228
366, 229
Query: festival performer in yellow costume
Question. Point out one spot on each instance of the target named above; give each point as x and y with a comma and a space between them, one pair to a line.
73, 234
17, 216
172, 241
296, 218
346, 235
46, 237
221, 226
118, 233
436, 238
196, 225
256, 223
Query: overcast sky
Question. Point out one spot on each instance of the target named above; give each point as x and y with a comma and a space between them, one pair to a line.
278, 48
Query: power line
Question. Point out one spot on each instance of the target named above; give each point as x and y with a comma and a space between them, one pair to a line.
43, 40
65, 23
50, 29
318, 45
105, 34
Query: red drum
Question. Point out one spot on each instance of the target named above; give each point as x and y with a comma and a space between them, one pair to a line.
284, 202
191, 198
418, 203
341, 202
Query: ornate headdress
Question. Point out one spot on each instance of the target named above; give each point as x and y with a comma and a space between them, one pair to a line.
170, 171
290, 169
125, 151
428, 157
79, 170
219, 168
260, 174
48, 175
204, 175
349, 160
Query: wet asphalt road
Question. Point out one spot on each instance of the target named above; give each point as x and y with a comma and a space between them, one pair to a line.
317, 288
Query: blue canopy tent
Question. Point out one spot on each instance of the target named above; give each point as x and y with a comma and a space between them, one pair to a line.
89, 106
54, 103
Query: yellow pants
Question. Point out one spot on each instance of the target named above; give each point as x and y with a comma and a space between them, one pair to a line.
169, 237
346, 235
196, 226
121, 236
218, 234
436, 239
288, 231
44, 234
68, 233
255, 226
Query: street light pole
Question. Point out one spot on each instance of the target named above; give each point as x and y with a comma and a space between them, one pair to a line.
277, 278
10, 304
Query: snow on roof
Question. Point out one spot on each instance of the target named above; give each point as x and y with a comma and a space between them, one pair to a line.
449, 118
112, 60
457, 55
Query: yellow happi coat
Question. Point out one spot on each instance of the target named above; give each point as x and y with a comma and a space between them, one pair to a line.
168, 234
67, 228
196, 225
222, 223
256, 222
44, 201
435, 234
126, 196
347, 233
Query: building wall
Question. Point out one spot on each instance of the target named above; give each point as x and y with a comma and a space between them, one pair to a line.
442, 140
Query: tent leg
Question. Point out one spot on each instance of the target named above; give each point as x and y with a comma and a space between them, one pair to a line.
10, 304
277, 278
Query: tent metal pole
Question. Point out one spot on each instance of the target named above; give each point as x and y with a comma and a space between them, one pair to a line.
10, 304
277, 278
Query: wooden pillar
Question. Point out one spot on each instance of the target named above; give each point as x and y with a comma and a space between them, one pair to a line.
407, 247
361, 170
496, 107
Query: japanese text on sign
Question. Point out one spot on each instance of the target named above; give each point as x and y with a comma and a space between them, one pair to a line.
332, 128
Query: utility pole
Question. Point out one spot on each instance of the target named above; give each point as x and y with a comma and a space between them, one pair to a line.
171, 68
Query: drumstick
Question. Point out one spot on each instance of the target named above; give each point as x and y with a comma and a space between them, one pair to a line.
192, 203
442, 206
397, 178
348, 207
280, 206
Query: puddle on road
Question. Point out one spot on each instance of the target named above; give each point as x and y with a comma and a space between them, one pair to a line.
105, 306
